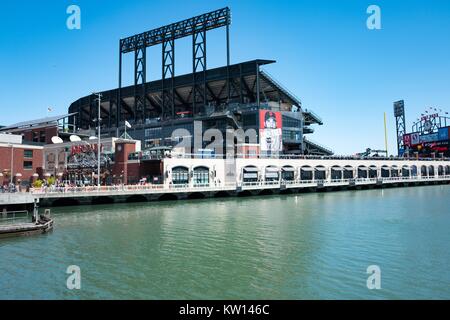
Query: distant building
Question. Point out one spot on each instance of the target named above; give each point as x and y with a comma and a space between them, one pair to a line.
42, 130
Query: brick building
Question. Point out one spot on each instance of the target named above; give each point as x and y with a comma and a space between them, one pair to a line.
42, 130
19, 161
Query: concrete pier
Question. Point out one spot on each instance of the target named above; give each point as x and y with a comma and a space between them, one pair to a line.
143, 193
202, 178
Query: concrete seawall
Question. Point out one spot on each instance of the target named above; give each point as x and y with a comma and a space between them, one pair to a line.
16, 201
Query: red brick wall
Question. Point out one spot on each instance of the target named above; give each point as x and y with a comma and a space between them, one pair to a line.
121, 159
18, 161
28, 133
133, 172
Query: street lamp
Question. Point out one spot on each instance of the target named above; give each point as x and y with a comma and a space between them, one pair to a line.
99, 95
12, 163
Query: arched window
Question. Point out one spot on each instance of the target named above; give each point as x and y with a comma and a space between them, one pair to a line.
423, 171
406, 171
180, 175
414, 171
373, 172
319, 173
336, 173
272, 173
306, 173
287, 173
441, 171
385, 172
431, 171
394, 171
250, 174
362, 172
348, 172
201, 175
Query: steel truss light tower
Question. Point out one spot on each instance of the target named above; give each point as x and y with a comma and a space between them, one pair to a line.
166, 36
400, 124
99, 119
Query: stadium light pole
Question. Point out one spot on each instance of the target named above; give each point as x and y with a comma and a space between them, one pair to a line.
99, 95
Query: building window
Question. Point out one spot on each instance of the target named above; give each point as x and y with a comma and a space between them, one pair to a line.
249, 119
42, 136
28, 165
201, 175
28, 153
180, 175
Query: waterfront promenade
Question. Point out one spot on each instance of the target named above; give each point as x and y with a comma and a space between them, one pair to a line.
137, 193
206, 178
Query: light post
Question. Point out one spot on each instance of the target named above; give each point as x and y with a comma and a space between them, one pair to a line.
12, 164
98, 144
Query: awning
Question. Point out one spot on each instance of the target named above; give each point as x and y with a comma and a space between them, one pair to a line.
289, 169
348, 168
272, 169
250, 169
250, 175
306, 169
320, 168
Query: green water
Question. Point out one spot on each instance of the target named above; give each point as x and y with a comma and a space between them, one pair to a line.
305, 246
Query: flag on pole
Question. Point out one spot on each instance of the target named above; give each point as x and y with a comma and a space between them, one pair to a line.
127, 124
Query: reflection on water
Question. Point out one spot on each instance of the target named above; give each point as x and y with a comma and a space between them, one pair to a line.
306, 246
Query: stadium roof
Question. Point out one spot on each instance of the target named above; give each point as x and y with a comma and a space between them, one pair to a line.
242, 85
37, 122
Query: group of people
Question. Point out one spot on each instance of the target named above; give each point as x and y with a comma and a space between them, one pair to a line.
9, 187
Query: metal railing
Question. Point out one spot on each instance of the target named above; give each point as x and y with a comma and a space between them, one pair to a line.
291, 156
266, 74
7, 217
192, 187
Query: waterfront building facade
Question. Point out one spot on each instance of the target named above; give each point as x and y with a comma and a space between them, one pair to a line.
19, 162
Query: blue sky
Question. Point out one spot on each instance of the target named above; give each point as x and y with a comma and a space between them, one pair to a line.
346, 73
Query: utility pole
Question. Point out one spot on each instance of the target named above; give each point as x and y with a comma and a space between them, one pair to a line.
98, 143
385, 136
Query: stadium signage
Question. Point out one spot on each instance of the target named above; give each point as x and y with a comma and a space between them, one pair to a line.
429, 116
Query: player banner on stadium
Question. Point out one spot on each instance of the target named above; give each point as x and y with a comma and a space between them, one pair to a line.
270, 131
